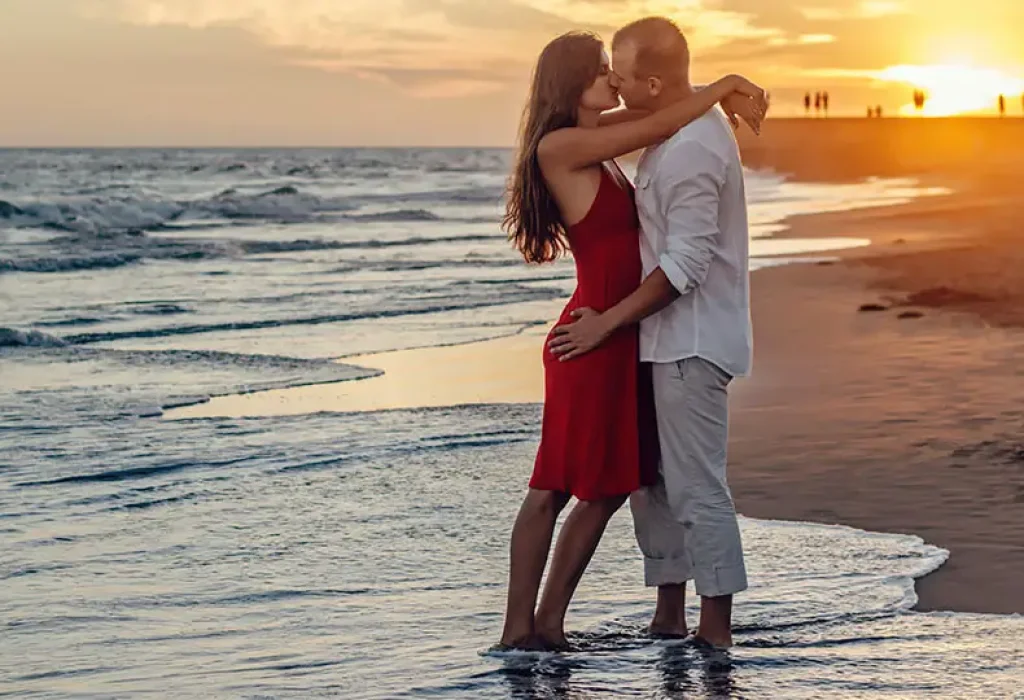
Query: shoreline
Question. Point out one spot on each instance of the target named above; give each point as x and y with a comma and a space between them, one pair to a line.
815, 437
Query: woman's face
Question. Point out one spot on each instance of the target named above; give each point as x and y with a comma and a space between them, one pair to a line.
603, 93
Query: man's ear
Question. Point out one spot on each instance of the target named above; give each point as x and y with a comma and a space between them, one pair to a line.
654, 85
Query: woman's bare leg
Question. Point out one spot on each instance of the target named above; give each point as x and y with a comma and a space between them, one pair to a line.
577, 542
531, 541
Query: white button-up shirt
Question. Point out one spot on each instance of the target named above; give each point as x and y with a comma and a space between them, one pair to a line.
693, 216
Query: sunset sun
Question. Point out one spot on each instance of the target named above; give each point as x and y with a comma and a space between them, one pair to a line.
955, 88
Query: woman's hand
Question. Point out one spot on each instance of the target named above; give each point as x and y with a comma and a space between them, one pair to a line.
748, 102
574, 148
571, 340
738, 106
745, 87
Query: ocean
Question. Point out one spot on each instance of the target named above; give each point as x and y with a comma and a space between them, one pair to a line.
361, 554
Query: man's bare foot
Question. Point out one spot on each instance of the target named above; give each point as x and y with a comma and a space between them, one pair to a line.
721, 642
715, 628
671, 626
669, 620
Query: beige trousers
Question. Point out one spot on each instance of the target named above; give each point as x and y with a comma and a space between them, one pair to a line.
686, 524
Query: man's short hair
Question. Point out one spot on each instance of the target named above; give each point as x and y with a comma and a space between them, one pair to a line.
661, 48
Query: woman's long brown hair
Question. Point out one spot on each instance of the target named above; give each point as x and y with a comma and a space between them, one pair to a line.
566, 68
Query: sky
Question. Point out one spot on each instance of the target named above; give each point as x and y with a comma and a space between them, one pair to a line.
453, 72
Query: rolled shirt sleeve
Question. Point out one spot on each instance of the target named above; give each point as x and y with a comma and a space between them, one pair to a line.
689, 185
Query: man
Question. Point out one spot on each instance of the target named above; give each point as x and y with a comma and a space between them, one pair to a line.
694, 311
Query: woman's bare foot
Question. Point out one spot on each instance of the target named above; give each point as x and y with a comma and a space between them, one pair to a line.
530, 642
553, 639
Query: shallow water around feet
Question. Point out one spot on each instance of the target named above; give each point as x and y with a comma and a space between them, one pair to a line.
365, 555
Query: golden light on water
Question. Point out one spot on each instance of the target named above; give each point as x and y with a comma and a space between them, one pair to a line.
955, 88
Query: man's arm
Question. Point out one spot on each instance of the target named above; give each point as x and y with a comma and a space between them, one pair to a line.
690, 194
652, 296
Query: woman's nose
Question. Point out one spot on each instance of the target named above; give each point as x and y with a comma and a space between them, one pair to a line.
613, 80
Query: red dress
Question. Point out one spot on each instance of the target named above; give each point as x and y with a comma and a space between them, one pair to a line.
598, 434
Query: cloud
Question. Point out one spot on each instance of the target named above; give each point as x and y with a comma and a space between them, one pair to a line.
422, 82
817, 38
505, 15
868, 9
881, 8
428, 47
449, 39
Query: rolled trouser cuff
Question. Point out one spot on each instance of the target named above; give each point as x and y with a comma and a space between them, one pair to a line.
720, 580
667, 571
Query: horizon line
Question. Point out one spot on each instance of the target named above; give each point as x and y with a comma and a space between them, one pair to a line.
312, 146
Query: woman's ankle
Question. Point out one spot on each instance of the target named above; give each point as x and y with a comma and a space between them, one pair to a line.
546, 621
551, 632
518, 632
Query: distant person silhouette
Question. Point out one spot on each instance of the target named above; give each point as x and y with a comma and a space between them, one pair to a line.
878, 111
817, 103
824, 102
1002, 106
871, 112
807, 104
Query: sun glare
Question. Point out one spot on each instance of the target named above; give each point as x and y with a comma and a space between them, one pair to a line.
955, 88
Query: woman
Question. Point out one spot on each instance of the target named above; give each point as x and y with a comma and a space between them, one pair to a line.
564, 197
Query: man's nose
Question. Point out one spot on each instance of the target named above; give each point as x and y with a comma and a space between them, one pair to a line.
613, 80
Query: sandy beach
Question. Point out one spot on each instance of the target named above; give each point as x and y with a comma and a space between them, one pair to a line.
908, 418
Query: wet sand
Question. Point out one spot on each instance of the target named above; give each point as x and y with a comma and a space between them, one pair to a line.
502, 370
912, 424
905, 419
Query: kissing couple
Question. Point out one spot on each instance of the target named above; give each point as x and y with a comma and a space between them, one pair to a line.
637, 369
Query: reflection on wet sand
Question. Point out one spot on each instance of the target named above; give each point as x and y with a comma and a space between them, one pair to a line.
683, 670
679, 663
502, 370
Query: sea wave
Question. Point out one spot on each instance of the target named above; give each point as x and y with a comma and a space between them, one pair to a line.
375, 313
106, 212
140, 384
67, 264
103, 214
397, 215
13, 338
98, 215
75, 254
8, 210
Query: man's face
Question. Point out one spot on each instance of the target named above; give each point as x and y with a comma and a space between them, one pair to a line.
634, 91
